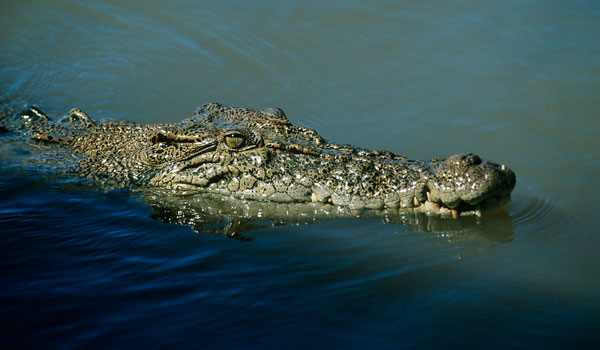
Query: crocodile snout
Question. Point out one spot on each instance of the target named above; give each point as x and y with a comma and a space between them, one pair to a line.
464, 182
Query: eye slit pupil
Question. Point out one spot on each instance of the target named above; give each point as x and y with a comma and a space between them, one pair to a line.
234, 141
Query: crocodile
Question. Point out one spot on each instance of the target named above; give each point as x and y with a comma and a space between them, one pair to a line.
259, 155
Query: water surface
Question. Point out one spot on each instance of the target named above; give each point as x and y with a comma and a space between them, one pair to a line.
517, 82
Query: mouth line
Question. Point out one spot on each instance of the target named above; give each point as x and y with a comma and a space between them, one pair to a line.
427, 207
463, 208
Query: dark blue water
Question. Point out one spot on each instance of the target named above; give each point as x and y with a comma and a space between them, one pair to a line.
83, 266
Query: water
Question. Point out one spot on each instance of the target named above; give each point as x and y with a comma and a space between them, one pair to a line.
515, 81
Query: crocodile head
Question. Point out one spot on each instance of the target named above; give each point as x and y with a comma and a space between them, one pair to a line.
262, 156
464, 183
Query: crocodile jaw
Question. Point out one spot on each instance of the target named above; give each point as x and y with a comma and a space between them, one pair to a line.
446, 188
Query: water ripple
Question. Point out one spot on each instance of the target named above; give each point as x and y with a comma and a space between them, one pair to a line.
532, 212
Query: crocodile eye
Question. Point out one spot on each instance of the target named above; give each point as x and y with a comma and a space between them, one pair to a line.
235, 140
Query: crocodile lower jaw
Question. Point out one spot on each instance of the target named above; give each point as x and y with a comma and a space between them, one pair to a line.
463, 209
427, 207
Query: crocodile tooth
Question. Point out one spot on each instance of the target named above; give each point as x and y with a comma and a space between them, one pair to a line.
503, 167
416, 202
455, 213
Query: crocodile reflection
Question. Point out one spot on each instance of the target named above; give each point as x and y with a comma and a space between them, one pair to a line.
261, 156
239, 220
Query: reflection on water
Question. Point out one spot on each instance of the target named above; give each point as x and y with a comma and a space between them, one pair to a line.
231, 217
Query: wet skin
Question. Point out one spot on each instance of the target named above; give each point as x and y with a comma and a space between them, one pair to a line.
261, 155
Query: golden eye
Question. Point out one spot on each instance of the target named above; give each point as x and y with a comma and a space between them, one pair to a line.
234, 141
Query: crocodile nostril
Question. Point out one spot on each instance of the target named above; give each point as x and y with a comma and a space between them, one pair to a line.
464, 159
474, 159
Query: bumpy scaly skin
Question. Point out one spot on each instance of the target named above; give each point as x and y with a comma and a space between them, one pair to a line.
260, 155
